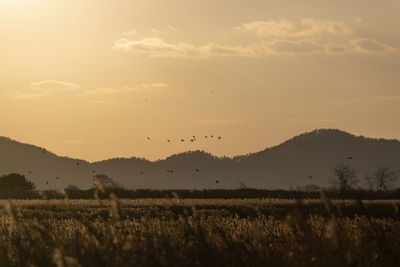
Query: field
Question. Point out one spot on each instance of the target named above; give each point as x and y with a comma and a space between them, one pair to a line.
208, 232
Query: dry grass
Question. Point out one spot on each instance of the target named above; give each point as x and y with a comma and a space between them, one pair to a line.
175, 232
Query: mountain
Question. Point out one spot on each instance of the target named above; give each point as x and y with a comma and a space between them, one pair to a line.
289, 164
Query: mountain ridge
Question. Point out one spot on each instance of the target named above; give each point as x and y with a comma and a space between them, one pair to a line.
285, 165
300, 137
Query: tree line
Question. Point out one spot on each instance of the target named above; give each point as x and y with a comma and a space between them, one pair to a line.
345, 181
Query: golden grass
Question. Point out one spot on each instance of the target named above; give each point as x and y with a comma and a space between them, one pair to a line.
184, 232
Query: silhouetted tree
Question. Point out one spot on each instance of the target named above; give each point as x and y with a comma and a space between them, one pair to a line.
15, 182
382, 178
345, 177
105, 181
72, 188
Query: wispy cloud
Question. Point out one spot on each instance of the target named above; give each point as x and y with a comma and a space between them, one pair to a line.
154, 85
45, 88
269, 28
308, 28
158, 48
51, 85
275, 37
369, 46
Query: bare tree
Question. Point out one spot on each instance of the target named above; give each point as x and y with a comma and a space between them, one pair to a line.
382, 178
345, 177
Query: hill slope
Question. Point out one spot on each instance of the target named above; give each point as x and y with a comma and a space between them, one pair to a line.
287, 165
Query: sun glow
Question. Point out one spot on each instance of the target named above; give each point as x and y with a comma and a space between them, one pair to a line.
19, 2
17, 9
14, 5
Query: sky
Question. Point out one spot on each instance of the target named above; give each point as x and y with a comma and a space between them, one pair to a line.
93, 79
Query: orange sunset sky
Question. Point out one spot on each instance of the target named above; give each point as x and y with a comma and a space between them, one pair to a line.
94, 78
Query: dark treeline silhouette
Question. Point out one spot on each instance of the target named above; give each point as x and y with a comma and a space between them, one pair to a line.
18, 187
248, 193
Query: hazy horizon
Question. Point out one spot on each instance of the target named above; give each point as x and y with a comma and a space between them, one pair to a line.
93, 79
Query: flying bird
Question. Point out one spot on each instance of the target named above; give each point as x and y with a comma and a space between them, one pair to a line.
310, 177
148, 138
350, 158
197, 170
182, 140
217, 181
212, 136
219, 137
168, 140
141, 172
47, 182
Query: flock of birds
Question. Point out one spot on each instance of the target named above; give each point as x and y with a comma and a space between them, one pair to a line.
193, 139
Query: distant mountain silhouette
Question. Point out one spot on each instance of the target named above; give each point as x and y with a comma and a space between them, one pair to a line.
303, 160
